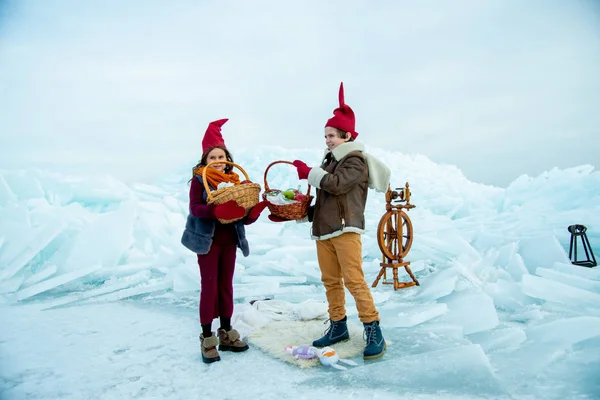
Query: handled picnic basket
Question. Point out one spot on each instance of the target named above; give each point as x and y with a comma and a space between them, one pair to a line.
292, 211
246, 195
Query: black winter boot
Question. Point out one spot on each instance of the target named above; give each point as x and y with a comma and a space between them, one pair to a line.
337, 332
375, 343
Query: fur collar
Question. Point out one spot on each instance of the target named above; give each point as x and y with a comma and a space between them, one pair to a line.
379, 173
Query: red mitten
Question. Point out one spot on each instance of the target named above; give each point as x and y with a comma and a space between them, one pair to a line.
302, 168
257, 209
275, 218
229, 210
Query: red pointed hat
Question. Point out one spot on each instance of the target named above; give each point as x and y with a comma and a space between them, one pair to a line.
343, 116
213, 136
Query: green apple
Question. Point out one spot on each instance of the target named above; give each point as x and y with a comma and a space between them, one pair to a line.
289, 194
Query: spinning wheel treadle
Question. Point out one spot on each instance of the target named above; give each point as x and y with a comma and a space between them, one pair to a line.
395, 237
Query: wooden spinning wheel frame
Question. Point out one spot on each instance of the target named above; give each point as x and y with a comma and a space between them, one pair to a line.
395, 236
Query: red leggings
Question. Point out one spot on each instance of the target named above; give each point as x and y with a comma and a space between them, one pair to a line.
216, 282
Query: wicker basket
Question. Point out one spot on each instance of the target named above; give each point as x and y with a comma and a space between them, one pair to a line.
246, 195
292, 211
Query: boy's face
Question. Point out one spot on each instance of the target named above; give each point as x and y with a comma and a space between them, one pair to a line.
217, 154
332, 139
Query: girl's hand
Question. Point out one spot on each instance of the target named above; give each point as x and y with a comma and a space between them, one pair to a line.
257, 209
275, 218
229, 210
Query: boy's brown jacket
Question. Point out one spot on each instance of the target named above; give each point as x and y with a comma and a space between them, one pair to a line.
342, 183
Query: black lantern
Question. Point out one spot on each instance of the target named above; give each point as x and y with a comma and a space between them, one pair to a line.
578, 233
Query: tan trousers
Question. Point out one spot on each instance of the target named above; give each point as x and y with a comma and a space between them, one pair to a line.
340, 260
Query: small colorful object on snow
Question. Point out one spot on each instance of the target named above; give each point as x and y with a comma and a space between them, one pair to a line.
304, 352
327, 355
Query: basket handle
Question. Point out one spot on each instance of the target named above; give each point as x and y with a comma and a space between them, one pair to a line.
209, 196
267, 189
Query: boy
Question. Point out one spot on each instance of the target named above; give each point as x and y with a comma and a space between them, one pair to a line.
342, 182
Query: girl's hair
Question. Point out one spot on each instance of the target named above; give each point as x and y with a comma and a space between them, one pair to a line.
342, 134
203, 160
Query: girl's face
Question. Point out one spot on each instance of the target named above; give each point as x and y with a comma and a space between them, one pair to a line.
332, 140
217, 154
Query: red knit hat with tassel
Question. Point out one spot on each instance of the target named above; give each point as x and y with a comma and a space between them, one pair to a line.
343, 116
213, 137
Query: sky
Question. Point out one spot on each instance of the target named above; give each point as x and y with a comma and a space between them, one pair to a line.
497, 88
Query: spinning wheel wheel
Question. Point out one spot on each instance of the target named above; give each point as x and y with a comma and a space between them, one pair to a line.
395, 234
395, 237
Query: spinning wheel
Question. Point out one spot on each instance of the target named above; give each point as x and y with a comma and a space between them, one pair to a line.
395, 237
395, 234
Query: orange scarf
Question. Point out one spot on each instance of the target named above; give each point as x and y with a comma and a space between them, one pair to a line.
214, 177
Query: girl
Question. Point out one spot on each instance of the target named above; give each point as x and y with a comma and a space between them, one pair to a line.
216, 244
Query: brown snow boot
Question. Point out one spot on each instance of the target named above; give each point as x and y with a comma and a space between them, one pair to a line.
230, 341
208, 347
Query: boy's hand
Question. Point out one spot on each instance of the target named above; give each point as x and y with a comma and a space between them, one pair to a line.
302, 168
